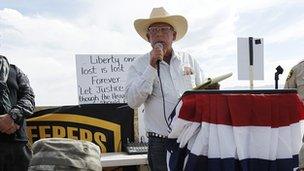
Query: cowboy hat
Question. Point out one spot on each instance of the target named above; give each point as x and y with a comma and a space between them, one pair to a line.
160, 15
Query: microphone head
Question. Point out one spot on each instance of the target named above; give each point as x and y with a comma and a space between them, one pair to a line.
279, 69
159, 45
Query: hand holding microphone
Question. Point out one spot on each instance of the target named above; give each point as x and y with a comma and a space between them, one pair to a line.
161, 48
156, 54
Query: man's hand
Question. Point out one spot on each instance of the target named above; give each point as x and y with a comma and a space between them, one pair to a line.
156, 54
7, 124
215, 86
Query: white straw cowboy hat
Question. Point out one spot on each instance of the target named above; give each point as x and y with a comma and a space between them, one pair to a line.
178, 22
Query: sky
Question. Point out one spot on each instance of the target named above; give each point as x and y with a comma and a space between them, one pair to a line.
42, 37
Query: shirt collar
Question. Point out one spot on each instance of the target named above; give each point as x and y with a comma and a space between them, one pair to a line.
175, 55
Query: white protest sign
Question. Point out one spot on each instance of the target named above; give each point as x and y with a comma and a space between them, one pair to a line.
102, 78
243, 58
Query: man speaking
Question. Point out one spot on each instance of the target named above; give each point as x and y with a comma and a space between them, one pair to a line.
160, 77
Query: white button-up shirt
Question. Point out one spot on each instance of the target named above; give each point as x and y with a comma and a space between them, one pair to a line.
143, 87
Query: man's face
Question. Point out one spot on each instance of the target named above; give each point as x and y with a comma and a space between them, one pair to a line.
161, 33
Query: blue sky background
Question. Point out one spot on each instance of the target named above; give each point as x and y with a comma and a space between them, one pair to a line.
42, 37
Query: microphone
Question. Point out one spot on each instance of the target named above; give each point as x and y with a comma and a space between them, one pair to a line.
160, 46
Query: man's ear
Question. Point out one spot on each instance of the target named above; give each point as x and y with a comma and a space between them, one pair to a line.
148, 36
174, 35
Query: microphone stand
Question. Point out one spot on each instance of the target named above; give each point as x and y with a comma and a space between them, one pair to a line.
276, 75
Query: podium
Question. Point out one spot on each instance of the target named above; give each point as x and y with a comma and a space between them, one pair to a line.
236, 130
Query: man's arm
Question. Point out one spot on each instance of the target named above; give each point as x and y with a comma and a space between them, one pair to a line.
199, 74
139, 85
25, 101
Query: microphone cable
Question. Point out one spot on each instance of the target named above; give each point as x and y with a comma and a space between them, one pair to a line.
163, 97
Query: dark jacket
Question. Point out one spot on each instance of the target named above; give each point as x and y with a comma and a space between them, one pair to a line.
21, 97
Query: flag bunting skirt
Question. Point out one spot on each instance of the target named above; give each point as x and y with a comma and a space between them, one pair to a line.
236, 132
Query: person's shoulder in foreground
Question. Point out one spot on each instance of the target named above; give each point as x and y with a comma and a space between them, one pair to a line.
297, 69
295, 79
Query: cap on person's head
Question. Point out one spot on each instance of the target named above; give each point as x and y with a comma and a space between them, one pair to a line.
301, 158
160, 15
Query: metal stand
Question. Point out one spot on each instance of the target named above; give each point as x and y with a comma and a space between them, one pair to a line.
276, 75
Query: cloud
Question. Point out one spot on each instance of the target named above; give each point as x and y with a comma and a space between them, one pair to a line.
250, 6
288, 33
37, 45
44, 48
